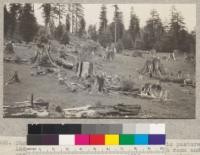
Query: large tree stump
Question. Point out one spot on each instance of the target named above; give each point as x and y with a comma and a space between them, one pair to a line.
9, 49
13, 79
84, 69
100, 82
154, 68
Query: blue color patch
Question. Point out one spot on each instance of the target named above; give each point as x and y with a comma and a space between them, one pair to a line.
141, 139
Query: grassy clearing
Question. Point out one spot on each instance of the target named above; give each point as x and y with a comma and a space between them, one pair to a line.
181, 104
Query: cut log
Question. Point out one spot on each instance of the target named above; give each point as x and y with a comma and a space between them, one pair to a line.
32, 108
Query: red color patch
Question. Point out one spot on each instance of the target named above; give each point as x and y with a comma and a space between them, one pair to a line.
97, 139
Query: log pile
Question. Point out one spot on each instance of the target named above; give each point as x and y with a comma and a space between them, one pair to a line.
30, 108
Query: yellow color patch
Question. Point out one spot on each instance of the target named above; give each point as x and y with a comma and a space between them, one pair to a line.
111, 139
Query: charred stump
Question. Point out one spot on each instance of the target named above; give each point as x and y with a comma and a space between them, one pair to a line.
84, 69
100, 82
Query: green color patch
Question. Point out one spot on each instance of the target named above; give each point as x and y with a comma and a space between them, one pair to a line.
126, 139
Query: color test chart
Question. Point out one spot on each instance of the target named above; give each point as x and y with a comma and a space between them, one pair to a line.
97, 134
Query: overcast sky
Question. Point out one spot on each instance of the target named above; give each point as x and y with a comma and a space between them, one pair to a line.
92, 12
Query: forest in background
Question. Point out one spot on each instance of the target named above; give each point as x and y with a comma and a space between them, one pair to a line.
20, 24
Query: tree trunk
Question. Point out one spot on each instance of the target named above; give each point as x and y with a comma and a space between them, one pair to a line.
59, 13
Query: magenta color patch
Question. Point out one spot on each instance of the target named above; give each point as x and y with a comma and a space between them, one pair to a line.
82, 139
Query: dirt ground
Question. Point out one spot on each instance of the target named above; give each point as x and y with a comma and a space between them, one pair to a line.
181, 102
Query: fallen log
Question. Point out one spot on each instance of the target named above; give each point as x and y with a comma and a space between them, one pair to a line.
170, 79
26, 104
15, 60
121, 90
23, 104
103, 111
127, 108
28, 112
64, 64
32, 108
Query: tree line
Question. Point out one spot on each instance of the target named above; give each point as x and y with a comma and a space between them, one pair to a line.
164, 37
20, 22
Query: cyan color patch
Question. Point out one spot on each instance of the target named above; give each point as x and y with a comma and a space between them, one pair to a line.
141, 139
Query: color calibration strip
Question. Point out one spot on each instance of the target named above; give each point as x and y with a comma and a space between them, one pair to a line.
96, 134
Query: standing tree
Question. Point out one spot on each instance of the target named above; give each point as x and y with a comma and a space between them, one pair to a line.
67, 23
59, 32
134, 27
15, 13
103, 19
71, 9
175, 35
105, 38
153, 31
82, 27
176, 30
127, 40
52, 27
27, 25
79, 17
79, 20
77, 13
6, 21
192, 39
59, 9
117, 26
47, 13
92, 32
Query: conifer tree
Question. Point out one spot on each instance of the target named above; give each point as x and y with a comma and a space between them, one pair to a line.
134, 27
117, 26
28, 26
6, 21
153, 31
82, 26
103, 19
15, 13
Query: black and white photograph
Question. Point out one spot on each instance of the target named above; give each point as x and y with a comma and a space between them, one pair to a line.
99, 61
